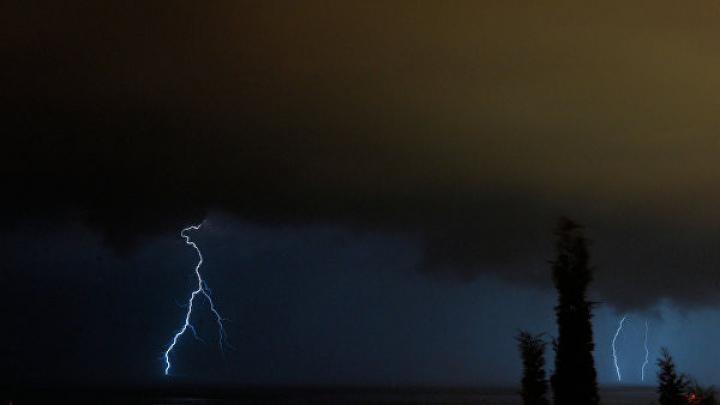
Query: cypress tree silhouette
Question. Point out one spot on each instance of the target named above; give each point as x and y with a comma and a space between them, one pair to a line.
575, 379
534, 384
671, 385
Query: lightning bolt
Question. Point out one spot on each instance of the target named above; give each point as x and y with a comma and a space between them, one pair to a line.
647, 352
202, 289
614, 350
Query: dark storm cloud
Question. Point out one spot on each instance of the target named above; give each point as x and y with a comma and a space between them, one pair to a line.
468, 127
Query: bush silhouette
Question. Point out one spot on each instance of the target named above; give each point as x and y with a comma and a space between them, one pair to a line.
534, 384
701, 395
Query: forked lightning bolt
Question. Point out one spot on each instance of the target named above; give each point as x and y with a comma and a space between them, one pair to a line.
614, 350
647, 352
202, 288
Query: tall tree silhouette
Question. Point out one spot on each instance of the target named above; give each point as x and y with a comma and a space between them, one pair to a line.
534, 384
575, 379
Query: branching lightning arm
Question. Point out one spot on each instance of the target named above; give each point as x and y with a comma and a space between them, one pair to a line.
202, 288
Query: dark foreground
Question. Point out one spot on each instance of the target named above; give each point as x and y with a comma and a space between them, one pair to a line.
624, 395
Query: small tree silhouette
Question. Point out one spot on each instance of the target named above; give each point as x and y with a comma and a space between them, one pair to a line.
534, 384
671, 384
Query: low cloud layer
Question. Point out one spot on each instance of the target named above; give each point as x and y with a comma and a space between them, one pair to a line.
466, 127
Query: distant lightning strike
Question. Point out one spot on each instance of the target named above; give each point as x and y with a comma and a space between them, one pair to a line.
202, 288
614, 349
647, 352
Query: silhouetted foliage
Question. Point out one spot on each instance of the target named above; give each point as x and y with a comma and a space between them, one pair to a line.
699, 395
534, 384
671, 384
575, 379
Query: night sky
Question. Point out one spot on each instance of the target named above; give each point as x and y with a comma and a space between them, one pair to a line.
379, 180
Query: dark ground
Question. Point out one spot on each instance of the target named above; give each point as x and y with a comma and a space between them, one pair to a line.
620, 395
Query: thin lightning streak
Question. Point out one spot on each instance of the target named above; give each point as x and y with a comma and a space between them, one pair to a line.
202, 288
647, 352
615, 358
